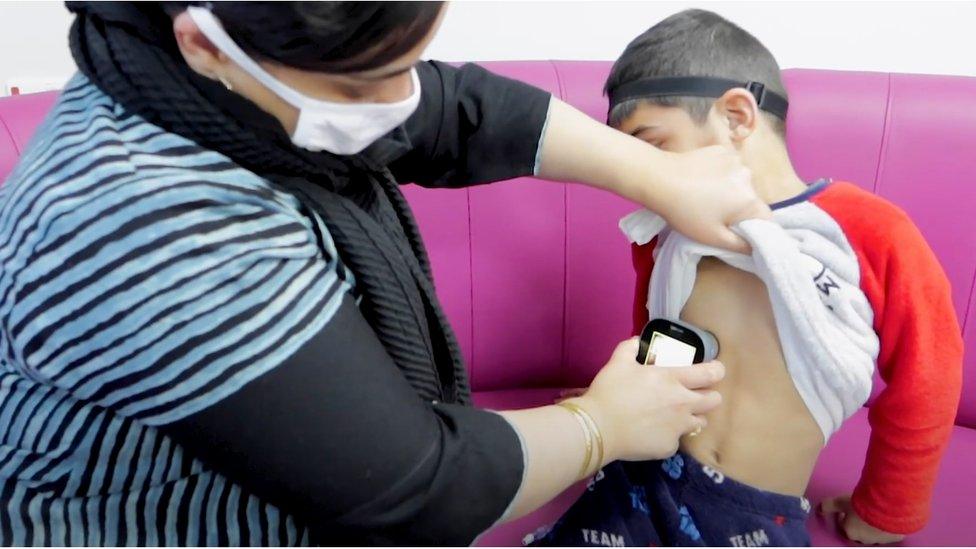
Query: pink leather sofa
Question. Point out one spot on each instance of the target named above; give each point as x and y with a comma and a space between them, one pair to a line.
537, 280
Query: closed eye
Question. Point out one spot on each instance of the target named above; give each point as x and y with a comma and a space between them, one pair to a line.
653, 141
645, 134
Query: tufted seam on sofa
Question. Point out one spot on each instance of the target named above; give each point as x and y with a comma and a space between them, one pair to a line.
883, 147
10, 134
972, 301
565, 319
471, 368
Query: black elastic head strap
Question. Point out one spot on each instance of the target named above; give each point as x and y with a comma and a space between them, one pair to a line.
697, 86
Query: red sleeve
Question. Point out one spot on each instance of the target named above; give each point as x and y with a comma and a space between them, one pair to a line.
920, 359
643, 257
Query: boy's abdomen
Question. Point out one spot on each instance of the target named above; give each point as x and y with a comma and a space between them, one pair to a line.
762, 434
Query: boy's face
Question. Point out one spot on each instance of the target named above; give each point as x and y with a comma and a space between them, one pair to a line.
672, 128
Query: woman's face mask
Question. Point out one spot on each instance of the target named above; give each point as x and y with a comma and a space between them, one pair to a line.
340, 128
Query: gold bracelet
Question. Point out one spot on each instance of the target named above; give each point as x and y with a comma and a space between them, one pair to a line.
587, 436
597, 434
592, 430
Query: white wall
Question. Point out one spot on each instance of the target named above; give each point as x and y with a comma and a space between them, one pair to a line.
924, 36
33, 43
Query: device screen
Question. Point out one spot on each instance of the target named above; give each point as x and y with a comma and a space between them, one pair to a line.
668, 351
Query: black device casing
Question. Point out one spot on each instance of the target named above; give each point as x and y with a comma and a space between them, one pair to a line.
705, 344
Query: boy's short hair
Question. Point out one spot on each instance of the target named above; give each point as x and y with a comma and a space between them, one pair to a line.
694, 43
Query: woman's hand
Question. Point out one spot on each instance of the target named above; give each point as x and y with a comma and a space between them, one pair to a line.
642, 411
702, 193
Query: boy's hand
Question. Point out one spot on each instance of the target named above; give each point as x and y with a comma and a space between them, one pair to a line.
853, 526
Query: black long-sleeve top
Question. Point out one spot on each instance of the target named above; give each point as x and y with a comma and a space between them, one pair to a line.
335, 434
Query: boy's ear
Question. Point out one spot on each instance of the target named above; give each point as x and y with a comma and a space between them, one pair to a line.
739, 109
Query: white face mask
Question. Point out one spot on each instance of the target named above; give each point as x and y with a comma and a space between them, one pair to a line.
340, 128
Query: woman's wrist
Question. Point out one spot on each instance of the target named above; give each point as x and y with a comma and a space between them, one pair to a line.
590, 434
643, 174
602, 425
577, 148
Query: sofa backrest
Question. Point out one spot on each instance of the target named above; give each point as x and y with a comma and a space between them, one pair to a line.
536, 278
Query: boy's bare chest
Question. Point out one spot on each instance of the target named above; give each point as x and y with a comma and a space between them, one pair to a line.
763, 433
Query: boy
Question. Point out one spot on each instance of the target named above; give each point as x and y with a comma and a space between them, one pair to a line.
839, 263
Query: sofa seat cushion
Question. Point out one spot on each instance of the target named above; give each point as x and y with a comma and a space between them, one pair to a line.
952, 522
837, 472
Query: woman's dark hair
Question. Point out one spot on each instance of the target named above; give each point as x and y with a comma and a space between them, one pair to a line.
337, 37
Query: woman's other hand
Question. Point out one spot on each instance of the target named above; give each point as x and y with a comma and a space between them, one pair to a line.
702, 193
641, 410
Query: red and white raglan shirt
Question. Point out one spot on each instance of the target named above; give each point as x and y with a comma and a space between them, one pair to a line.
853, 286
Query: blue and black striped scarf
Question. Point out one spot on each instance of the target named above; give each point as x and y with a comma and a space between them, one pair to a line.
128, 50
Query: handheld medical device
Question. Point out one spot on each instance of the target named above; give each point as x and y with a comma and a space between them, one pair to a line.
675, 343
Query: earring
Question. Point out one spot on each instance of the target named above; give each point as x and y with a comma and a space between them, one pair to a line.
225, 82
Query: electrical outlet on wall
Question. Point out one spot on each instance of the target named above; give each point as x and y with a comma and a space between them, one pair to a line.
34, 84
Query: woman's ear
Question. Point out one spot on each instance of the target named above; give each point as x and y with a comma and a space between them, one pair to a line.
738, 107
200, 54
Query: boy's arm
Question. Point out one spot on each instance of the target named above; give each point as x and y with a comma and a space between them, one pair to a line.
921, 364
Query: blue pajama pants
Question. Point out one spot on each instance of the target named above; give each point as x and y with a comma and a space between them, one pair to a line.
676, 502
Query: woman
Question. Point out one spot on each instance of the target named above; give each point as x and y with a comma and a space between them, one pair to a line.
218, 323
